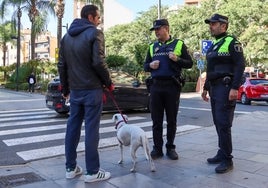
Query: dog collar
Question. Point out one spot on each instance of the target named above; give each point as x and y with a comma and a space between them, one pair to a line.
118, 123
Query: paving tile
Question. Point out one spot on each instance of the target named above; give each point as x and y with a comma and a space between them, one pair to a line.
250, 150
138, 181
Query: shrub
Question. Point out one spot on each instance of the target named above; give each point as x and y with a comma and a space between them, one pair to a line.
189, 87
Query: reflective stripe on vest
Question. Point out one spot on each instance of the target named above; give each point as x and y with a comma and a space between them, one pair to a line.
177, 49
225, 46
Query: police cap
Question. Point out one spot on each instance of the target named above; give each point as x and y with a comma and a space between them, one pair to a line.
217, 18
158, 23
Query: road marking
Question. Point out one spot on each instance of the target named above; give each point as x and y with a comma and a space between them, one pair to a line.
21, 100
26, 110
58, 136
29, 122
208, 109
35, 117
105, 142
26, 113
27, 117
53, 127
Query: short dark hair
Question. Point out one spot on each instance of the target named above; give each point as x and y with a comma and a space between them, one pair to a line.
89, 10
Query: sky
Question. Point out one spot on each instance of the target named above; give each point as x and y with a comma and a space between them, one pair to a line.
116, 11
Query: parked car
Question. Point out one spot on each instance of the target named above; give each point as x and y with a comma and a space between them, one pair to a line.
129, 94
253, 89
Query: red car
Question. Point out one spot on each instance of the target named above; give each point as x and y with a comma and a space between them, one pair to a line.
253, 89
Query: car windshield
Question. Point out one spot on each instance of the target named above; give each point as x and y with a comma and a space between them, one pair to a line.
259, 82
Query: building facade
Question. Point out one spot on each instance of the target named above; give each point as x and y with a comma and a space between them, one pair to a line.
192, 2
45, 45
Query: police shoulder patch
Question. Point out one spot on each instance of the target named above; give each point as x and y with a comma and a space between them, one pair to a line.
238, 47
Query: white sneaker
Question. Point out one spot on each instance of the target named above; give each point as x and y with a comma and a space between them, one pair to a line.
71, 173
100, 176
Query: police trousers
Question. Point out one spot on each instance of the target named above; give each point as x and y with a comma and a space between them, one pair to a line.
223, 114
165, 98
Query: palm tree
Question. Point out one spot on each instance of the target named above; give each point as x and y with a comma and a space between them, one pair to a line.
59, 9
6, 34
37, 12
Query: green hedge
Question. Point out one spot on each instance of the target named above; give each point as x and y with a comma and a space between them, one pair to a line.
189, 87
39, 87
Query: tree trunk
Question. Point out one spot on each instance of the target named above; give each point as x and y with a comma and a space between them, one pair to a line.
4, 59
59, 9
59, 31
33, 36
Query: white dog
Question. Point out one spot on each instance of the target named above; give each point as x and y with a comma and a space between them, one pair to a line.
133, 136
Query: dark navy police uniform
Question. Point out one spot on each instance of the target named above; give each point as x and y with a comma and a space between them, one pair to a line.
225, 67
165, 88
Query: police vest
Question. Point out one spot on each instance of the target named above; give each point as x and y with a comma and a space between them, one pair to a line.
219, 58
174, 48
224, 45
159, 51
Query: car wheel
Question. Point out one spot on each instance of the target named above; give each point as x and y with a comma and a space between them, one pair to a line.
244, 99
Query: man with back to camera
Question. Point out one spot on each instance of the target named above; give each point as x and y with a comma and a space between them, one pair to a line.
83, 75
165, 60
225, 67
31, 82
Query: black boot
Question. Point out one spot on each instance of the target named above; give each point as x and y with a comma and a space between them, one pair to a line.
172, 154
224, 166
156, 153
214, 160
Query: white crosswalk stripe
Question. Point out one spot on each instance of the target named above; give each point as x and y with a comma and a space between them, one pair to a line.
24, 121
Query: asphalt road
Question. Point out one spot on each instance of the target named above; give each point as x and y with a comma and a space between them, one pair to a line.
29, 131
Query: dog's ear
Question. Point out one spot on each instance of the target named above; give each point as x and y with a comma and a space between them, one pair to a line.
114, 118
125, 116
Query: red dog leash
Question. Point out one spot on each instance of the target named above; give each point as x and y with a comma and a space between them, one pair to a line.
116, 105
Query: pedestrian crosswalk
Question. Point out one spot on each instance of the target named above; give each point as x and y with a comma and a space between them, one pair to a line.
39, 133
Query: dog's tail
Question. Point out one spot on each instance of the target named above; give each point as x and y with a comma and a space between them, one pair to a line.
146, 148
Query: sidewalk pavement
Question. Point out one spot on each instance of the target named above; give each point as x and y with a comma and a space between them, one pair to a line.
250, 150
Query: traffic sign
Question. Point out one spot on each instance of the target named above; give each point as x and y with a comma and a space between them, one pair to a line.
200, 64
205, 46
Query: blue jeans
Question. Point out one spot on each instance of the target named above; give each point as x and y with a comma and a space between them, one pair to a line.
84, 105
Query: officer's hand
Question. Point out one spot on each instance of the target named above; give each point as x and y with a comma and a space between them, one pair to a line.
172, 56
233, 94
204, 95
154, 64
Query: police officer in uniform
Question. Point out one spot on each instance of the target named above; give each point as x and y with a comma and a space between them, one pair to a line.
225, 67
165, 60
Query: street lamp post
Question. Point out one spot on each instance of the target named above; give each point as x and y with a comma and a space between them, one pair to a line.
159, 9
18, 49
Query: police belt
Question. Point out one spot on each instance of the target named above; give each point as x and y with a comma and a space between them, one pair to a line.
165, 80
226, 80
